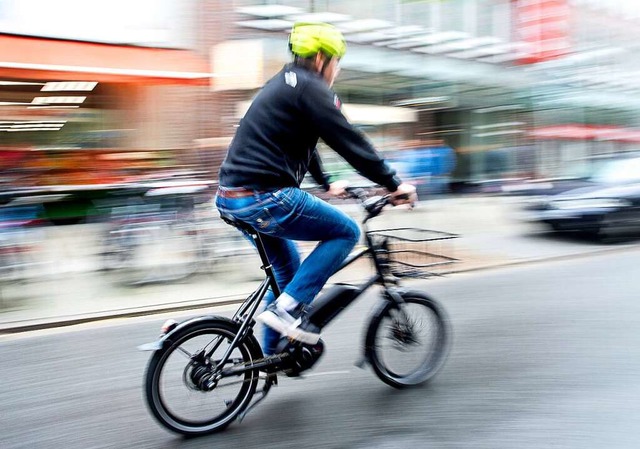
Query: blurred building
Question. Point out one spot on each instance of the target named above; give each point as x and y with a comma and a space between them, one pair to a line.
518, 88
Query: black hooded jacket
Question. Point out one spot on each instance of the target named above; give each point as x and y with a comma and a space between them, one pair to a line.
275, 143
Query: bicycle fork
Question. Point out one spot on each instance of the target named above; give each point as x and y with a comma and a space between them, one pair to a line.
391, 294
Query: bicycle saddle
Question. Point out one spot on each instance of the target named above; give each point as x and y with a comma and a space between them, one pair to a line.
238, 224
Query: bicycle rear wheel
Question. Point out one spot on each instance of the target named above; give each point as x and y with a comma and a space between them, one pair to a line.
178, 390
407, 345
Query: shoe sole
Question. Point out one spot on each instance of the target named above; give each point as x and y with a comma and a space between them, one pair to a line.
279, 325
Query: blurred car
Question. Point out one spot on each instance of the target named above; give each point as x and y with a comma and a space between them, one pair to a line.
575, 174
608, 203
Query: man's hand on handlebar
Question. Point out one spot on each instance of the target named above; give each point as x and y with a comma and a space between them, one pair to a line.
405, 194
338, 189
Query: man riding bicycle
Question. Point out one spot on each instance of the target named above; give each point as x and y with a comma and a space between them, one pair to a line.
273, 149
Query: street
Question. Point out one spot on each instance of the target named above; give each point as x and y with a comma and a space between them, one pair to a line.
66, 284
544, 356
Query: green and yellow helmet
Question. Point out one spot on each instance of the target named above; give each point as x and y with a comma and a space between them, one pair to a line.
307, 39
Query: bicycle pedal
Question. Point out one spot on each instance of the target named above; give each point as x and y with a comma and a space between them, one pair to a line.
269, 377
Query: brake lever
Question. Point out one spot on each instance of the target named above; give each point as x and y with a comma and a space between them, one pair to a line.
375, 204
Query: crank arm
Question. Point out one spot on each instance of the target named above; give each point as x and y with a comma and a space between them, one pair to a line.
275, 361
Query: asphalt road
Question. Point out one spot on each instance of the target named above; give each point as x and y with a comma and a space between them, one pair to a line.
545, 356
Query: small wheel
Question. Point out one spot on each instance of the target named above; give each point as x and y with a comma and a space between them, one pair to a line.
151, 252
122, 246
10, 268
181, 389
174, 253
407, 346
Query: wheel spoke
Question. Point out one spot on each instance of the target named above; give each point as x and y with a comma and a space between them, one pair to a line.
218, 341
185, 352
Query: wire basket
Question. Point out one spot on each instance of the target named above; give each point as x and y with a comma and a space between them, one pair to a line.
413, 252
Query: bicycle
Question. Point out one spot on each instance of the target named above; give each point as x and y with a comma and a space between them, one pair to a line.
20, 237
213, 354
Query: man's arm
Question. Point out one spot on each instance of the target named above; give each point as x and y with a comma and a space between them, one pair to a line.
336, 188
317, 171
332, 126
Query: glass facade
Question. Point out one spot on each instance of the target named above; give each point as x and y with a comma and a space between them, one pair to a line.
478, 80
459, 74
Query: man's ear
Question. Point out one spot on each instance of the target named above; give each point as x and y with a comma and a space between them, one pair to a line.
319, 61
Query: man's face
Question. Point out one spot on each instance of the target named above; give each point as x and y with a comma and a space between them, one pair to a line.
331, 71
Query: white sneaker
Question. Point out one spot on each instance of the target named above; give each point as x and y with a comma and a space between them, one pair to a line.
284, 323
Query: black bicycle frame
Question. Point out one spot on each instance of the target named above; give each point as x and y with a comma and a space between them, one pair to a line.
250, 305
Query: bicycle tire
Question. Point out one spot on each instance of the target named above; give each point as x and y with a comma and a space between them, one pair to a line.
388, 323
158, 391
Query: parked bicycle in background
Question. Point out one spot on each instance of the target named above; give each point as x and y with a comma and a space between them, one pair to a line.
20, 237
167, 232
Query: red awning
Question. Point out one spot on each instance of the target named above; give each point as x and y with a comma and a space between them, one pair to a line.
49, 59
586, 132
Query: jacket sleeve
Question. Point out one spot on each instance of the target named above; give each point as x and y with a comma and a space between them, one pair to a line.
317, 171
322, 105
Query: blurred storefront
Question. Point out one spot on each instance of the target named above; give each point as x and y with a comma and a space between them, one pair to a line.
59, 94
485, 78
80, 118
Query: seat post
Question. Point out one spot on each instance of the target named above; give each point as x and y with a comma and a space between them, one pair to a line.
259, 244
266, 264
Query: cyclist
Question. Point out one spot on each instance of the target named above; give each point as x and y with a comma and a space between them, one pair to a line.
272, 150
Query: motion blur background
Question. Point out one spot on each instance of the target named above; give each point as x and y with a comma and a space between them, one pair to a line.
115, 115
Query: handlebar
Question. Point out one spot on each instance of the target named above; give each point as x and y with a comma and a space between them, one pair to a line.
373, 205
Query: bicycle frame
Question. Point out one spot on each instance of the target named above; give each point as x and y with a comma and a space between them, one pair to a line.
248, 308
246, 311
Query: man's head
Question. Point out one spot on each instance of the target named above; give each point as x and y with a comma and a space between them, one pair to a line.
319, 47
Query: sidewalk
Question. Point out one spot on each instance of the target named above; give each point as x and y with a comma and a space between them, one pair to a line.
68, 288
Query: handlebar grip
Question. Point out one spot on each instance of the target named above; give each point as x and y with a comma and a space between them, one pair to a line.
357, 193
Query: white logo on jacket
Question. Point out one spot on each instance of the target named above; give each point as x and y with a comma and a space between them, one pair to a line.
336, 101
291, 78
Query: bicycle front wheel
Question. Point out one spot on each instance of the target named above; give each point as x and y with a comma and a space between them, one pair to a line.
407, 345
181, 389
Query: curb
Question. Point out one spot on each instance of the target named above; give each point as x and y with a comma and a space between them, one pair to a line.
65, 321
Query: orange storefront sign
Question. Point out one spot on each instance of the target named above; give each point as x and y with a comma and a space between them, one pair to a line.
46, 59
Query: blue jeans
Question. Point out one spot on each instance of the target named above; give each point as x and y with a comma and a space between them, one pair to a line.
288, 214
